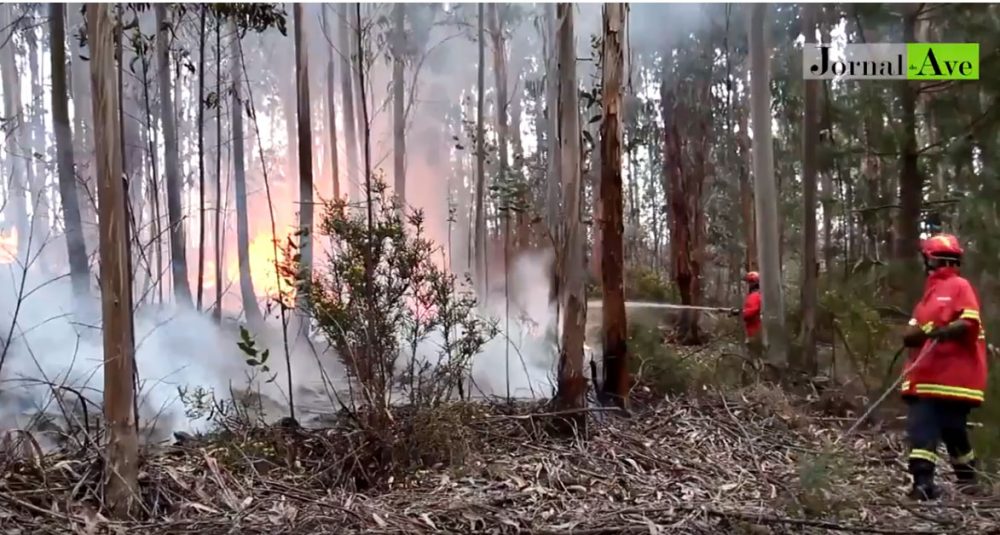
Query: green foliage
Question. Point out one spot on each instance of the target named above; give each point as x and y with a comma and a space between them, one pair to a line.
673, 370
644, 284
381, 292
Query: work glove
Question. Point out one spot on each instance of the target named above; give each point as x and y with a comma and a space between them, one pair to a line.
914, 335
952, 331
734, 312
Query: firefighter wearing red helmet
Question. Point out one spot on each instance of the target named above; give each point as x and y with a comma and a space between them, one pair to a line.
949, 379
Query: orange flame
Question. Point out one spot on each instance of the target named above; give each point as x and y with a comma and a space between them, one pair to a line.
262, 268
8, 246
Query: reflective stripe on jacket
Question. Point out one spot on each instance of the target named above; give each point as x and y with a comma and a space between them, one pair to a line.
952, 369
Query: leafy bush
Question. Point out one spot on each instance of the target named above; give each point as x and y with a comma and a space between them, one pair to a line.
397, 321
644, 284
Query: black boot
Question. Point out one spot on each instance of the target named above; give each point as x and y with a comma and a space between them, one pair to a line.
965, 473
923, 481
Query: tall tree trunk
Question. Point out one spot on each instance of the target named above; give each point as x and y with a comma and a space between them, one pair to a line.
76, 248
572, 385
36, 166
347, 103
911, 181
219, 243
765, 194
331, 107
684, 178
810, 138
122, 466
178, 251
305, 156
500, 82
480, 226
829, 197
201, 157
616, 375
746, 192
17, 187
154, 187
250, 308
398, 118
82, 131
553, 196
595, 177
503, 136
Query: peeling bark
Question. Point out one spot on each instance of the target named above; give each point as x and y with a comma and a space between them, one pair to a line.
616, 375
572, 384
122, 467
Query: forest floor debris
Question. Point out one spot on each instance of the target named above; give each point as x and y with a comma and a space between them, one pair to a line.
745, 462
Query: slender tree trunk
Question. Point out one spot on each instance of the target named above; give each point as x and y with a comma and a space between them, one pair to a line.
250, 308
122, 466
178, 252
219, 242
305, 156
765, 194
17, 188
36, 166
500, 82
82, 131
347, 103
553, 196
154, 188
595, 178
75, 246
616, 375
810, 139
572, 384
480, 226
201, 157
911, 181
398, 118
331, 107
826, 173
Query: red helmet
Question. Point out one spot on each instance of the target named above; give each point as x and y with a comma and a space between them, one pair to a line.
941, 246
752, 277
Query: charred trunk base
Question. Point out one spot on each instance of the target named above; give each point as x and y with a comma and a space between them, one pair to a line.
569, 409
688, 333
615, 386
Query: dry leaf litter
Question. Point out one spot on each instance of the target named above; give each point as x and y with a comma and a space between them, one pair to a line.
709, 463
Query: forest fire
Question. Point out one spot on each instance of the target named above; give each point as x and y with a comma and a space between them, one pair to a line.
262, 267
8, 246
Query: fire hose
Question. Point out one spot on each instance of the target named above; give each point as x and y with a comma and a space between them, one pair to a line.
669, 306
871, 408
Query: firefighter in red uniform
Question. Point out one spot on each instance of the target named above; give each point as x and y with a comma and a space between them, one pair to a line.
944, 381
751, 312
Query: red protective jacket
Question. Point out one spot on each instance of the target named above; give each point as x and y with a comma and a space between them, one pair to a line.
952, 369
751, 313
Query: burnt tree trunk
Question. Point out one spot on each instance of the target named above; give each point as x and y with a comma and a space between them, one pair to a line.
616, 375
